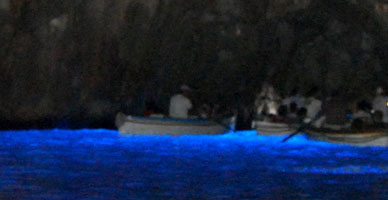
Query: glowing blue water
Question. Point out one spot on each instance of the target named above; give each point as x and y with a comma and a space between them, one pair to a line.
101, 164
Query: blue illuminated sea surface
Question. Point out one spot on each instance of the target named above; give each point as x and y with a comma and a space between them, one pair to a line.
102, 164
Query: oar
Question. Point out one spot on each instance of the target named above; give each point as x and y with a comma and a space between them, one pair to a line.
303, 126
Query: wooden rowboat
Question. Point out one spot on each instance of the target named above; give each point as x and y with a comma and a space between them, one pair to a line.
272, 128
360, 138
167, 126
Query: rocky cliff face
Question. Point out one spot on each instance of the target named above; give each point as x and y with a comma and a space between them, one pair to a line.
4, 4
82, 61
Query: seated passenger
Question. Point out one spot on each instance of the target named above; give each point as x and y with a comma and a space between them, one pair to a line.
293, 109
204, 111
180, 104
363, 113
301, 116
267, 101
380, 102
150, 108
313, 105
281, 117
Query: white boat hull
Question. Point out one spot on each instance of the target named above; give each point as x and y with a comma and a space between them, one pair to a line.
358, 139
271, 128
167, 126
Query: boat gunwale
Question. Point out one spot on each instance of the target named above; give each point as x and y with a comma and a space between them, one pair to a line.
346, 136
170, 121
346, 132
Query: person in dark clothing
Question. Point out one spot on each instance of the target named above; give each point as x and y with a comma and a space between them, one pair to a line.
335, 110
150, 108
282, 114
292, 111
244, 114
301, 115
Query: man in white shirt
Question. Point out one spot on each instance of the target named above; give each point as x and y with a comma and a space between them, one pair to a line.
380, 102
180, 104
314, 107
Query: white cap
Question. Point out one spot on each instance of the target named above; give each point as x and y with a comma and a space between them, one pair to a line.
185, 88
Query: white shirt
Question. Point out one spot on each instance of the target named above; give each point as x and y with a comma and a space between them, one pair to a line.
313, 107
267, 99
179, 106
380, 103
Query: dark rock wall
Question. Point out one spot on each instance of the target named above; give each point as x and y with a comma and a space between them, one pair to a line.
77, 63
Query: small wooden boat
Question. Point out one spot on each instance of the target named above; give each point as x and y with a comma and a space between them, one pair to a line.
273, 128
361, 138
167, 126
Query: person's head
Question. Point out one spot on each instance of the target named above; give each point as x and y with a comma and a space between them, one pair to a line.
380, 91
267, 87
302, 112
271, 89
293, 107
282, 110
186, 90
204, 111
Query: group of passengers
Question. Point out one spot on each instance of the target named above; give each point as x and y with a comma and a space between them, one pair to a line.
181, 107
332, 112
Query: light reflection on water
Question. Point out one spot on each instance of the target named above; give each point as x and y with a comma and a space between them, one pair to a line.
102, 164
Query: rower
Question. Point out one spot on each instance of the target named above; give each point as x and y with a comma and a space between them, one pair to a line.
292, 111
180, 104
314, 106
